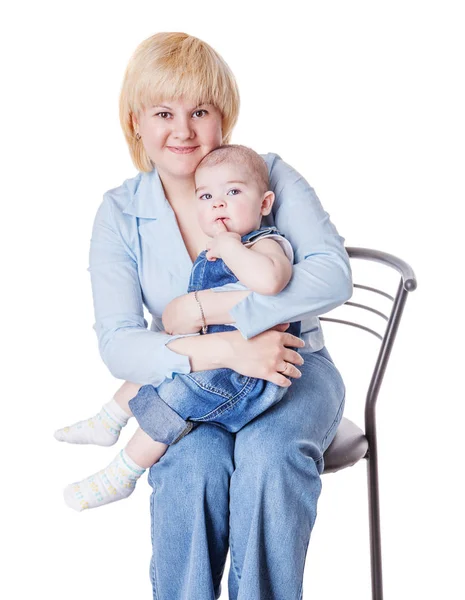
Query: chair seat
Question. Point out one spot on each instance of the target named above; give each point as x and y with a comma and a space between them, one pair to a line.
347, 448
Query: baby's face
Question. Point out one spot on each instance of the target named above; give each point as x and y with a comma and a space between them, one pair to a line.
228, 192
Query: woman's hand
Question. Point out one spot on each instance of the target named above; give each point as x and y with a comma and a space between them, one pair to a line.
181, 315
266, 355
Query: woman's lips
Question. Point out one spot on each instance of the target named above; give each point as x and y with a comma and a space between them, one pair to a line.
182, 149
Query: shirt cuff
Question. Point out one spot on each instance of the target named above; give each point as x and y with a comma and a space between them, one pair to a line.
241, 315
174, 362
256, 313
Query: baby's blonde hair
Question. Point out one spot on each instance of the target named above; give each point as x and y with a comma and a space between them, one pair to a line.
168, 66
242, 155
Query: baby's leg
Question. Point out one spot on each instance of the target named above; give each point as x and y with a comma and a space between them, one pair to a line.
118, 480
125, 393
104, 428
143, 450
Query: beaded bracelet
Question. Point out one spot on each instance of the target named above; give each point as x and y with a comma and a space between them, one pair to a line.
204, 326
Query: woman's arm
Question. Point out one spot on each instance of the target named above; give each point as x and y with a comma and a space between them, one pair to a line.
182, 314
127, 347
263, 357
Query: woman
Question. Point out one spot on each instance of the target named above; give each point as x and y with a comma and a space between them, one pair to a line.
255, 491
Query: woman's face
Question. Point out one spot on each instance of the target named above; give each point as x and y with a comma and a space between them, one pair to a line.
177, 134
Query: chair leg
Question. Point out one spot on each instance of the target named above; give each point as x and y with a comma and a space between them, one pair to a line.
375, 531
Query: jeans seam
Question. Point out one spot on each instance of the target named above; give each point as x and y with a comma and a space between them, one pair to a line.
230, 403
335, 421
231, 547
152, 563
327, 362
309, 539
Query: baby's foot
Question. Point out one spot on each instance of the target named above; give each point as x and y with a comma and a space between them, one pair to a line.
114, 483
103, 429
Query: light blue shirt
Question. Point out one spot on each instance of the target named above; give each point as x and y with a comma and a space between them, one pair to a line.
138, 257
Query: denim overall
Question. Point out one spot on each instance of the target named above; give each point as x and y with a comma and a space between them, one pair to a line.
220, 396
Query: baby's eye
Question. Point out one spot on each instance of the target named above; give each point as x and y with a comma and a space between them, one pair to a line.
203, 197
234, 192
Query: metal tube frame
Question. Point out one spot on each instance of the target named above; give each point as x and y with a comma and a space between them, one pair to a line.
407, 284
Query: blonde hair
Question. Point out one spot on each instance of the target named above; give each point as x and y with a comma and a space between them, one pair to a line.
167, 66
242, 155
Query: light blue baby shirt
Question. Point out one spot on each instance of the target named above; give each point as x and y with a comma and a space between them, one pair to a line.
138, 257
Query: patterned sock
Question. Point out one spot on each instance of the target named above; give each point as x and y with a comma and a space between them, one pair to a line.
114, 483
103, 429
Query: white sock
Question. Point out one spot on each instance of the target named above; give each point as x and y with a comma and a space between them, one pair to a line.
103, 429
114, 483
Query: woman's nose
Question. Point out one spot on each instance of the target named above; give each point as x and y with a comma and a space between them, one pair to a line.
183, 129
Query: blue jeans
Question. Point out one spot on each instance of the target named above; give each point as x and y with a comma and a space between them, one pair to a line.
254, 491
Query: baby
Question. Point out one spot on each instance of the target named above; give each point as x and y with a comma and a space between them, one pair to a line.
232, 195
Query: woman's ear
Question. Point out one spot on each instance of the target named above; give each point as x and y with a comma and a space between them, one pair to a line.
267, 202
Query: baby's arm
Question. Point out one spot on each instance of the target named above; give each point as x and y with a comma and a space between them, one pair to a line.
263, 268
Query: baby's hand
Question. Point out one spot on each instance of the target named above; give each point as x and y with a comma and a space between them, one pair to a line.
222, 240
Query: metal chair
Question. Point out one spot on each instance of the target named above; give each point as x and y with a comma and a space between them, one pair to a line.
351, 443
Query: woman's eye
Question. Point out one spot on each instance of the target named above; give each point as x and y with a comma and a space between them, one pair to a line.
200, 111
234, 192
204, 197
163, 115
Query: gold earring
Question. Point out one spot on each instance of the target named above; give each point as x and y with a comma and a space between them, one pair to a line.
138, 136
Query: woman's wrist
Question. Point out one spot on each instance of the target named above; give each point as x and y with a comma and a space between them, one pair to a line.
205, 352
216, 306
202, 314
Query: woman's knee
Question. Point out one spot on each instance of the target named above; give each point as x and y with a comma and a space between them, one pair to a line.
274, 457
205, 456
295, 431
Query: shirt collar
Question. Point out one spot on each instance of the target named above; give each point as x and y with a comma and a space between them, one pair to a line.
148, 200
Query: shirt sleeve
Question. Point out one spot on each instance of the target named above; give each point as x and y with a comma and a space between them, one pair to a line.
129, 350
321, 278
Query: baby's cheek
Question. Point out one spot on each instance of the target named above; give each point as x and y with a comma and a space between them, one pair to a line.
208, 229
202, 218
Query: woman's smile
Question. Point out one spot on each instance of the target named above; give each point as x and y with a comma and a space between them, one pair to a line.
182, 149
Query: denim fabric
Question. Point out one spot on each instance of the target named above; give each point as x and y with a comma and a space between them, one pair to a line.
254, 491
219, 396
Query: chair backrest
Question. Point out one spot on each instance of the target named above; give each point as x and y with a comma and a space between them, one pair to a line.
390, 321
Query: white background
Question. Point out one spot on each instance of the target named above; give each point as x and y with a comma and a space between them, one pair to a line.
366, 100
